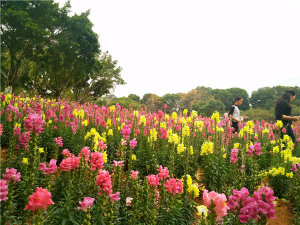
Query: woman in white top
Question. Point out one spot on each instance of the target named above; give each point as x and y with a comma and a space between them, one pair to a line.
235, 113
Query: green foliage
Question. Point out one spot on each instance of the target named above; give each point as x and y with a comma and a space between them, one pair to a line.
134, 97
208, 108
260, 114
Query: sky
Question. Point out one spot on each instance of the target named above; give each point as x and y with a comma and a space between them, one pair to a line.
173, 46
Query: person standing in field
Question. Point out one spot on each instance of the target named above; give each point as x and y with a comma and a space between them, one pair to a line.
234, 113
283, 111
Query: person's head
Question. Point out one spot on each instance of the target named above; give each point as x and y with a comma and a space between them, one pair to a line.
287, 96
238, 100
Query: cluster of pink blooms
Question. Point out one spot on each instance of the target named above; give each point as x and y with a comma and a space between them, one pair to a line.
233, 157
97, 160
59, 141
66, 153
133, 143
24, 139
163, 173
294, 167
102, 145
174, 186
51, 169
219, 201
1, 129
104, 182
3, 190
254, 148
126, 130
114, 197
260, 203
134, 174
39, 199
86, 204
153, 180
34, 122
86, 153
118, 163
69, 163
11, 174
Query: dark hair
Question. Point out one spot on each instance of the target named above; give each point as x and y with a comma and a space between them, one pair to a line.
236, 99
286, 96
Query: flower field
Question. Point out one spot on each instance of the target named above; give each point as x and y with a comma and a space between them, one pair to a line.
68, 163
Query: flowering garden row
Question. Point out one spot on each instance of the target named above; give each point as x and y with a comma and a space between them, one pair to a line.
67, 163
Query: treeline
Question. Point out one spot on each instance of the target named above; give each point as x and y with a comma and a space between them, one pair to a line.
44, 51
205, 100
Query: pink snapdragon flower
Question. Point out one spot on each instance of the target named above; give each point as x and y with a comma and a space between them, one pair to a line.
96, 160
51, 169
174, 186
3, 190
128, 201
66, 164
1, 129
86, 152
39, 199
101, 145
219, 201
258, 148
134, 174
104, 182
17, 131
153, 180
233, 157
294, 167
24, 139
86, 204
66, 153
118, 163
11, 174
163, 173
34, 122
133, 143
59, 141
250, 150
114, 197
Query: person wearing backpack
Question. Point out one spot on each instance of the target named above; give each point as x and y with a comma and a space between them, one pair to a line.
234, 113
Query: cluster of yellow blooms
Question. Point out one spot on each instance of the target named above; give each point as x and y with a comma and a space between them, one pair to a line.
142, 120
153, 135
185, 131
173, 138
180, 148
192, 188
207, 148
79, 114
276, 171
216, 117
96, 135
279, 124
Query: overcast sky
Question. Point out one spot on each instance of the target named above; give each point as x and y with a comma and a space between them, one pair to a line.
172, 46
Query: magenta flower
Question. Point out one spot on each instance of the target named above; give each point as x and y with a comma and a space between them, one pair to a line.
251, 150
294, 167
114, 197
86, 152
11, 174
66, 164
133, 143
163, 173
257, 148
59, 141
233, 157
24, 139
33, 123
51, 169
86, 204
3, 190
174, 186
134, 174
153, 180
66, 153
104, 182
97, 160
101, 145
1, 129
39, 199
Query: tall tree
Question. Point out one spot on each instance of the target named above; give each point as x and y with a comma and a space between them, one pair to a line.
172, 101
207, 108
27, 28
70, 58
105, 76
242, 93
